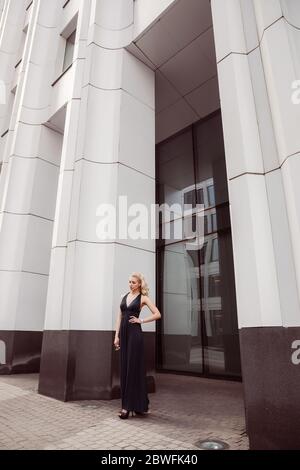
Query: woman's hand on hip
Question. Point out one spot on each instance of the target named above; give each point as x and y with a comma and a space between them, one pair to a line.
134, 319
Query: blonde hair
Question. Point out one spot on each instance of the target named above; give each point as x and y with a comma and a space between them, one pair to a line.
144, 286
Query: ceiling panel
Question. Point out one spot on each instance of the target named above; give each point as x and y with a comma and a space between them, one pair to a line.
190, 67
187, 20
165, 93
134, 50
158, 45
205, 99
179, 46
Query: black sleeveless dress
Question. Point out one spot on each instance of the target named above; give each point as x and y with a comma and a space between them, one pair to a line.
132, 362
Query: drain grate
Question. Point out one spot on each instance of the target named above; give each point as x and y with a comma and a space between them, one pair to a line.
212, 444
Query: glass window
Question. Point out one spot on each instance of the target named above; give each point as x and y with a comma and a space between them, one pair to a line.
189, 198
214, 285
69, 50
210, 159
214, 221
200, 198
214, 250
181, 345
176, 172
211, 195
199, 331
206, 224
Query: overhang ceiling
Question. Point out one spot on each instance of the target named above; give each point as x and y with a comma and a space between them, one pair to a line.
179, 47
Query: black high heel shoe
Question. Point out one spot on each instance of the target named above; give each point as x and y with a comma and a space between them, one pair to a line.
125, 415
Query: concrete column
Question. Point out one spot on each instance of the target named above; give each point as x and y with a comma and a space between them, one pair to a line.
28, 186
12, 17
109, 151
2, 5
257, 47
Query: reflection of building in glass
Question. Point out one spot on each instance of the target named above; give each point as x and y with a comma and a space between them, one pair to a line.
210, 292
199, 322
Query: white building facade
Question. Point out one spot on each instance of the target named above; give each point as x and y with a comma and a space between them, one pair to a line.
161, 101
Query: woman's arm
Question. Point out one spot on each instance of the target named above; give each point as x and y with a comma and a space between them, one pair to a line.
156, 315
118, 323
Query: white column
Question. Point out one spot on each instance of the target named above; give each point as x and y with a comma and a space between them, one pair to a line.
2, 6
280, 55
28, 182
110, 152
257, 47
11, 23
260, 123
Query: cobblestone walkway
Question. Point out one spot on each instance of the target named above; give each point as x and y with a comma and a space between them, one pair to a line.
184, 410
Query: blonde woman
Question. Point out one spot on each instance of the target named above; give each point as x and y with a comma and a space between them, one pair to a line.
129, 339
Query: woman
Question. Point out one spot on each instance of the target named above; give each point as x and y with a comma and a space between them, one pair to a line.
129, 339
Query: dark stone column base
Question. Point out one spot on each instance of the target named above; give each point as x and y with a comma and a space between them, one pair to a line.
83, 365
22, 351
271, 387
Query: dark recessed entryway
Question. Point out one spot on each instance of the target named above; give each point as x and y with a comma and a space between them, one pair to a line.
196, 293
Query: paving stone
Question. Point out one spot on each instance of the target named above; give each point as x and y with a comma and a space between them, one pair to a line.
184, 410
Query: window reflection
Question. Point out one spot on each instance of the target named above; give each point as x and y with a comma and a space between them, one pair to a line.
211, 195
199, 332
69, 50
214, 250
182, 348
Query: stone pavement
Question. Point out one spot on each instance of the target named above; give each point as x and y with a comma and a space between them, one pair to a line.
184, 410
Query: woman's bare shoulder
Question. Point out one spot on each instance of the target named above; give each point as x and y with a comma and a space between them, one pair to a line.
144, 299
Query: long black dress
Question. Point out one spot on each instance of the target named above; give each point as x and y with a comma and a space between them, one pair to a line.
133, 372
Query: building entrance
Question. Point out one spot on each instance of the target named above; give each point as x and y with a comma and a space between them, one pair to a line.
196, 291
